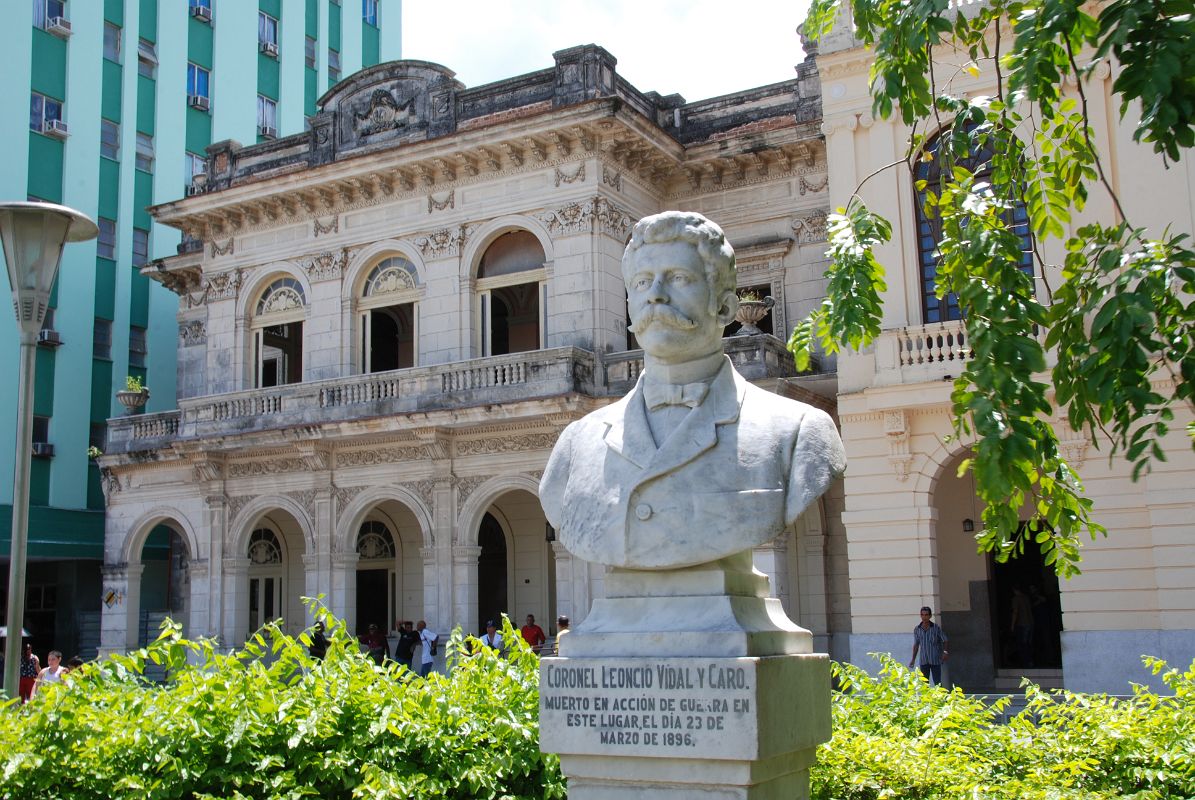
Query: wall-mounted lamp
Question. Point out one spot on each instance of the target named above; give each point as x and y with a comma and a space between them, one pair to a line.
968, 525
549, 532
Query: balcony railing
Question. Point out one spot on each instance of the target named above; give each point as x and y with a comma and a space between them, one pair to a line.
934, 352
499, 379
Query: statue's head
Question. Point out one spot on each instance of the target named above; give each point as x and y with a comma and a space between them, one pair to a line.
680, 278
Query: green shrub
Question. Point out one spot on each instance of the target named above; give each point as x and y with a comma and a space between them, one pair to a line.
896, 737
270, 722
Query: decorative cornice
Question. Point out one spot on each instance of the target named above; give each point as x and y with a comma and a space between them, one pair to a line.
277, 466
505, 444
388, 455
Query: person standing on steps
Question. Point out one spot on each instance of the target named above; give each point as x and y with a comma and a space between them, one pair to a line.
929, 641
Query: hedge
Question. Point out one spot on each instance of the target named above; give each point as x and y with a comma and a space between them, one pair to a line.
267, 721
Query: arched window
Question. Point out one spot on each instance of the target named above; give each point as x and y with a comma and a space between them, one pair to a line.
277, 328
512, 294
387, 316
375, 542
264, 547
929, 169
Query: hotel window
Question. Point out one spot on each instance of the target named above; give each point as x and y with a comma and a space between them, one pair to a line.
193, 165
145, 152
101, 338
106, 243
137, 346
333, 66
369, 12
197, 81
43, 110
46, 10
112, 42
309, 45
140, 247
267, 33
109, 139
267, 116
147, 59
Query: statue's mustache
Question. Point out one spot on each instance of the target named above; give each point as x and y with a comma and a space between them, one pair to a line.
665, 315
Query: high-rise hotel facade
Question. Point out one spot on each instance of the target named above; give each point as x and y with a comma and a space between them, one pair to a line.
124, 98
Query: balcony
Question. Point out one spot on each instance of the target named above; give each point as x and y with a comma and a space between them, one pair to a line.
512, 378
925, 353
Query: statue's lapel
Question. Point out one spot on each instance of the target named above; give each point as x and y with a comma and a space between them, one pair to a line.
629, 434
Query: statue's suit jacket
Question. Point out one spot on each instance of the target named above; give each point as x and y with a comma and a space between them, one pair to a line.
740, 467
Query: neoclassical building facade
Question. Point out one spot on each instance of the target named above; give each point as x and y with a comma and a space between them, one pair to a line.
385, 323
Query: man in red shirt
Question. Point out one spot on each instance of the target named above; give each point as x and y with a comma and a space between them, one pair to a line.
533, 635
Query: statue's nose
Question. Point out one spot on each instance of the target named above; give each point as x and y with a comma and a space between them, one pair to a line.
656, 292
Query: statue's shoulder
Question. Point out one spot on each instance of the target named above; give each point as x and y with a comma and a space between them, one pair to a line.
782, 411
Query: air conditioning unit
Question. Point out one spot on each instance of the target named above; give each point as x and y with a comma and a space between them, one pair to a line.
201, 13
199, 101
193, 189
268, 131
49, 337
56, 128
43, 449
59, 26
269, 48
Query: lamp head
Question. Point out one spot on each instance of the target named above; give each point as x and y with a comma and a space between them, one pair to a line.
33, 235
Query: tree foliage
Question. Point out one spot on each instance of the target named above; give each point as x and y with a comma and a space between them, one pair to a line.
896, 737
270, 722
1117, 312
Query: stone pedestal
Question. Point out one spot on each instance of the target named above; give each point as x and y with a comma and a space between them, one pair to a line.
686, 683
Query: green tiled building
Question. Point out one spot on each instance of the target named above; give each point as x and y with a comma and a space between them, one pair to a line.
124, 98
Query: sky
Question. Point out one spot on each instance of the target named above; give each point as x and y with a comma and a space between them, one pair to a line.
696, 48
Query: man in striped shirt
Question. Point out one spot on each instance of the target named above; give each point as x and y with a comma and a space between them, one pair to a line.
929, 640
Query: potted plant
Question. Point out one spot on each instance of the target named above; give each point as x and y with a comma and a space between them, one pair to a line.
752, 308
134, 396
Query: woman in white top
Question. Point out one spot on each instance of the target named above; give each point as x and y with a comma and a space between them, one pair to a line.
51, 674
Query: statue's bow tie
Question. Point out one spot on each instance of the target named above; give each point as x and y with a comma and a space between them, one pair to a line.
658, 395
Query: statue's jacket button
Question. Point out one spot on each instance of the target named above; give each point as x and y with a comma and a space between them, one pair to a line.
643, 511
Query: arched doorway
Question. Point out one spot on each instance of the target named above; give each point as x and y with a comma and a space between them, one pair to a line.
275, 580
165, 582
492, 596
516, 568
376, 555
978, 595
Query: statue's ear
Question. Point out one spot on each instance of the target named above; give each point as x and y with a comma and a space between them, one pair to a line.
728, 308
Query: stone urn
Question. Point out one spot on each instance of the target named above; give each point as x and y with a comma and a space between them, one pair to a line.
133, 401
750, 313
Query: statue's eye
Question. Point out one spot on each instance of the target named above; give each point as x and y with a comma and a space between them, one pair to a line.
679, 278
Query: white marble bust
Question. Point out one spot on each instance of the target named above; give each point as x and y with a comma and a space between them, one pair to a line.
695, 464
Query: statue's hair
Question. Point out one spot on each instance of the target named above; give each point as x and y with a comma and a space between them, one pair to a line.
691, 227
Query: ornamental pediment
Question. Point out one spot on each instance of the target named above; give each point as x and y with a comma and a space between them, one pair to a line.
390, 104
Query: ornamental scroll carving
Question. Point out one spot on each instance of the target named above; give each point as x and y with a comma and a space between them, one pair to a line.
305, 498
192, 333
896, 430
344, 495
444, 242
425, 490
222, 250
389, 455
441, 205
531, 441
332, 227
466, 487
581, 218
248, 469
807, 187
326, 265
811, 227
222, 286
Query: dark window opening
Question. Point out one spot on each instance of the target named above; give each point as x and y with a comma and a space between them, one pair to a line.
281, 356
392, 337
514, 319
491, 573
1026, 610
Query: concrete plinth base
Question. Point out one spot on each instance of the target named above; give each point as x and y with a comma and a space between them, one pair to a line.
686, 683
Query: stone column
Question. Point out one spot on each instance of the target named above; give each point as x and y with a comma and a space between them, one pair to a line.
464, 582
235, 626
197, 620
118, 621
342, 599
563, 564
216, 522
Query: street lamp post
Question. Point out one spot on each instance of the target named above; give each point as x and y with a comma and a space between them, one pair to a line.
33, 235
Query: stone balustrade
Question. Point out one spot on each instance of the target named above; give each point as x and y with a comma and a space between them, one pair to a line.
498, 379
934, 352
